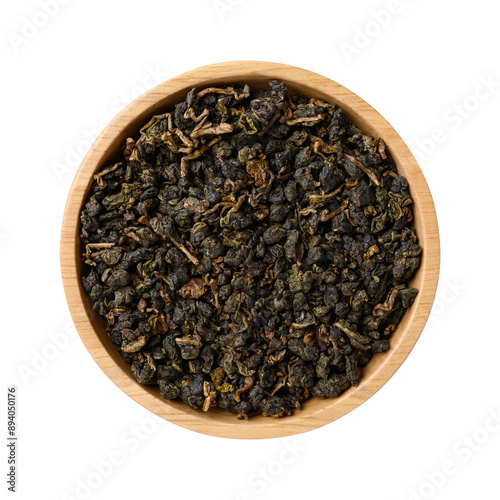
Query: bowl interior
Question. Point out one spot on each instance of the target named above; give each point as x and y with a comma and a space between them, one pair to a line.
315, 412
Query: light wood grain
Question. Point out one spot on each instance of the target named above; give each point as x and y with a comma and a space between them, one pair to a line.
217, 422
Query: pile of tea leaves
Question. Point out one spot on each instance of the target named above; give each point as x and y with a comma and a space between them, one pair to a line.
251, 250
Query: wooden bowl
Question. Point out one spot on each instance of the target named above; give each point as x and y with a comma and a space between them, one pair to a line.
219, 422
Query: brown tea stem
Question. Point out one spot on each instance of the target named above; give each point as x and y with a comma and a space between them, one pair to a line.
228, 91
389, 304
367, 171
196, 154
98, 176
223, 128
309, 119
323, 198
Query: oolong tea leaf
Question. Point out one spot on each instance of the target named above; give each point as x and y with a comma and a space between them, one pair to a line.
252, 249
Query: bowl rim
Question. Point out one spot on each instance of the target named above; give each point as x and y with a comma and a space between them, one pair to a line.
215, 423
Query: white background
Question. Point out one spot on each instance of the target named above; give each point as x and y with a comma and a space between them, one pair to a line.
421, 67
